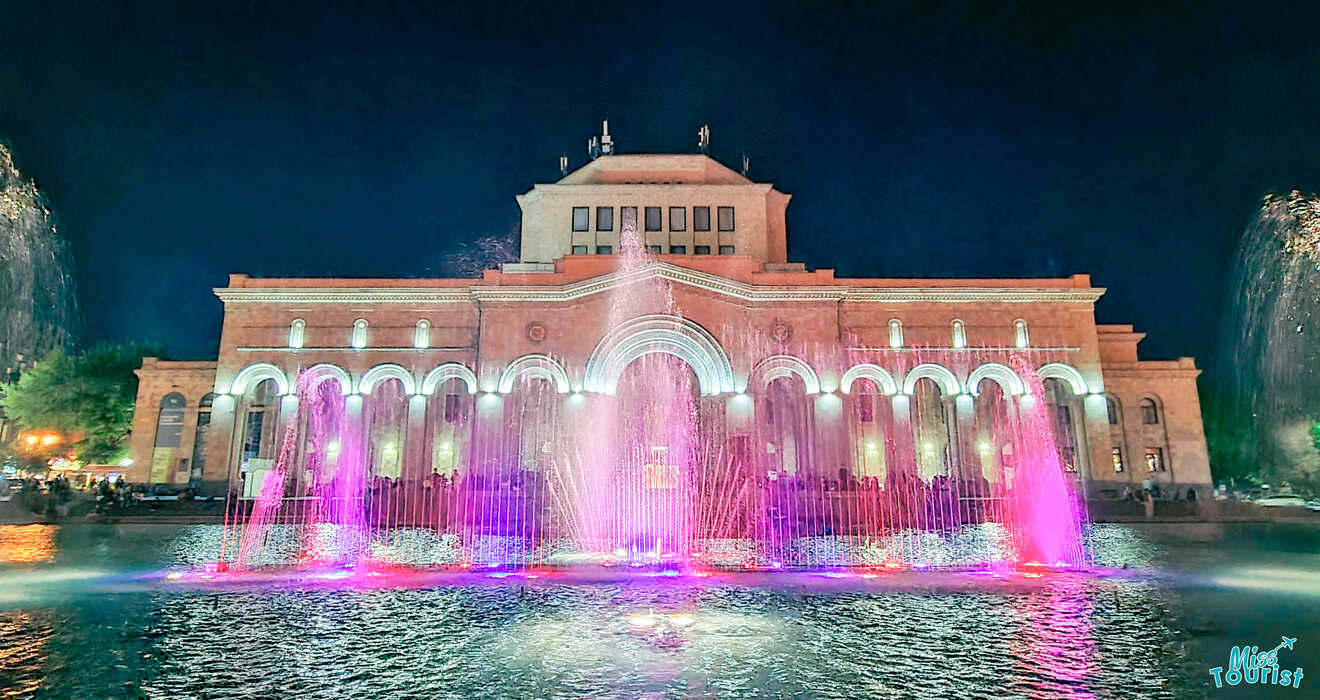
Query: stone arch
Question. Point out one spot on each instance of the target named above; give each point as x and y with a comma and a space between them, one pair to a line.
320, 372
875, 373
941, 375
1154, 402
1003, 375
249, 377
778, 366
663, 333
540, 366
445, 372
1065, 373
380, 373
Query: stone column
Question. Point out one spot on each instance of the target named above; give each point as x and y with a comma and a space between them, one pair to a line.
830, 435
415, 457
218, 469
905, 441
968, 462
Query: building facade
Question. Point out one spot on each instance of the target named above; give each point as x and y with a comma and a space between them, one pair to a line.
833, 375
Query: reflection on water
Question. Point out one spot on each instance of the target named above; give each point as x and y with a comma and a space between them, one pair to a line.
90, 623
22, 640
26, 544
671, 639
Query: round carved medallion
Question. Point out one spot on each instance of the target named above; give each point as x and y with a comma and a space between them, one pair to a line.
781, 332
535, 332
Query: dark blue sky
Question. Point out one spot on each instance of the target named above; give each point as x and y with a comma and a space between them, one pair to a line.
953, 139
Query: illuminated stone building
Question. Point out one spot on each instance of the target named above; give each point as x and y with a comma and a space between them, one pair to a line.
846, 364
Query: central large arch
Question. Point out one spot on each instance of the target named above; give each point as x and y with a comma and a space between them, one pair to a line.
672, 335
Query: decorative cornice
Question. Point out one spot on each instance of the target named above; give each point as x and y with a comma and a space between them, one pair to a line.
407, 349
658, 270
975, 295
346, 295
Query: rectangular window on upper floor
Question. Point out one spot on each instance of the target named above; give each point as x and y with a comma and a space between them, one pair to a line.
700, 218
604, 250
655, 249
677, 219
653, 222
1154, 459
604, 218
678, 250
726, 250
701, 250
725, 218
581, 218
579, 250
628, 219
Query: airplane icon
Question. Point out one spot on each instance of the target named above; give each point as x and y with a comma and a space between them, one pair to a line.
1287, 642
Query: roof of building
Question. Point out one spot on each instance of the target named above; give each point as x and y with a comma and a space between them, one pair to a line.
658, 169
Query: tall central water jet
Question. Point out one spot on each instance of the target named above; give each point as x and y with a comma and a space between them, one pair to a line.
640, 454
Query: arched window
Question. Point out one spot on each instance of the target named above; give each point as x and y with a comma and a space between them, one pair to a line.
1021, 338
1059, 400
169, 436
296, 333
199, 439
1150, 412
422, 336
1111, 407
359, 337
895, 333
959, 334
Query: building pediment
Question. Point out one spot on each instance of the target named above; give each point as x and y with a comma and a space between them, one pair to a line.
853, 291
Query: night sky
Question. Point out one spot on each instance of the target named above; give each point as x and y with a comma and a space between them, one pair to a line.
179, 145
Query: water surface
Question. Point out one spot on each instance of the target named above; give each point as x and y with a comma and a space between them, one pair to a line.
85, 611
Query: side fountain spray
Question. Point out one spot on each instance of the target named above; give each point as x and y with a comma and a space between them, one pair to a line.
1273, 318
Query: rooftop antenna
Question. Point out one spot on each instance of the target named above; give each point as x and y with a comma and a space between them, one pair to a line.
703, 138
563, 165
593, 148
606, 142
747, 165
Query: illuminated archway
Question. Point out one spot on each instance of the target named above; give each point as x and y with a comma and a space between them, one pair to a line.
1003, 375
940, 374
323, 371
249, 377
445, 372
882, 378
661, 333
1065, 373
779, 366
379, 373
537, 366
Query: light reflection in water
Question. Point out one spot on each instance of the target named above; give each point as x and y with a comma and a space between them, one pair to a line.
23, 638
904, 634
1054, 651
27, 544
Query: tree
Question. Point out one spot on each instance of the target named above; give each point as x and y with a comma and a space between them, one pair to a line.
1231, 436
89, 394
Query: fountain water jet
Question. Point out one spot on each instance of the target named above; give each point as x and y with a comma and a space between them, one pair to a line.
661, 465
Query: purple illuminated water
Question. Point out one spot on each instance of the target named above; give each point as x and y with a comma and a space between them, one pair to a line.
654, 472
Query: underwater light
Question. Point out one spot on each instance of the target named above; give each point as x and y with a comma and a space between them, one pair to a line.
646, 620
173, 576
